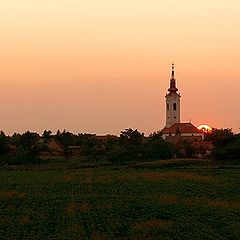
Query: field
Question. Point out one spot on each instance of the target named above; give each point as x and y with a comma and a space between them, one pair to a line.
152, 201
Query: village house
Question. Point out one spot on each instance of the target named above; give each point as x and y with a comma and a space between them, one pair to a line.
51, 147
74, 150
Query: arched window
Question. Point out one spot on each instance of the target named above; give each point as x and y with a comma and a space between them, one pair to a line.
174, 106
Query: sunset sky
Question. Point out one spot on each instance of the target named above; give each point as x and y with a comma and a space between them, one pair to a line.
101, 66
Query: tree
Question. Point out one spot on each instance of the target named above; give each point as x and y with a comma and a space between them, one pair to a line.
226, 144
24, 156
156, 148
28, 139
131, 142
220, 137
130, 136
47, 134
15, 139
66, 138
118, 154
3, 145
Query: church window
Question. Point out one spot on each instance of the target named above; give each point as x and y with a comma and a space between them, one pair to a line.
174, 106
168, 106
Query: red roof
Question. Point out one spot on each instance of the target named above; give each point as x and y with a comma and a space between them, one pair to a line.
182, 128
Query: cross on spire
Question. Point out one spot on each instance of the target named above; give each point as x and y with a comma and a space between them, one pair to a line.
173, 87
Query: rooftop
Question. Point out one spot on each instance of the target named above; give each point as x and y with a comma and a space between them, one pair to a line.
182, 128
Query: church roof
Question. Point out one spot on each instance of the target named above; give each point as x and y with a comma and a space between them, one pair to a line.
182, 128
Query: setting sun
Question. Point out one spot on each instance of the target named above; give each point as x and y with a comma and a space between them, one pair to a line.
205, 128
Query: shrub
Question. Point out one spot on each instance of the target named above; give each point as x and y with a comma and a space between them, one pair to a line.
24, 157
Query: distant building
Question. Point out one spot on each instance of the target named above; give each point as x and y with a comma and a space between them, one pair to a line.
51, 147
75, 150
55, 148
175, 131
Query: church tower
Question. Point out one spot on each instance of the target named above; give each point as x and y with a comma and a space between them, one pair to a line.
172, 102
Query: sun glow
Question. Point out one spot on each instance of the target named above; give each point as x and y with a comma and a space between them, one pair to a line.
205, 128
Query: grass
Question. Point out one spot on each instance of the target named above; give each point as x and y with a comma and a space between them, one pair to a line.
185, 201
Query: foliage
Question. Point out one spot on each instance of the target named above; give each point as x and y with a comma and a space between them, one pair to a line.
227, 145
155, 148
25, 157
47, 135
118, 154
66, 138
131, 137
220, 137
27, 140
230, 150
3, 145
185, 149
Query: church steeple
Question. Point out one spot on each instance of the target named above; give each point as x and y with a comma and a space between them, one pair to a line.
172, 102
173, 87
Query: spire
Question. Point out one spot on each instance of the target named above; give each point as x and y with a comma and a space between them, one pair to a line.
173, 70
173, 87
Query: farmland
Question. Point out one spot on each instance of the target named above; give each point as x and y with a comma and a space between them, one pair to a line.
137, 202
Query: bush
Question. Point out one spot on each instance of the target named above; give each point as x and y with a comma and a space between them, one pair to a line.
158, 149
118, 154
24, 157
229, 150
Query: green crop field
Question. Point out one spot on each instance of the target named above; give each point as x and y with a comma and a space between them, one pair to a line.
199, 202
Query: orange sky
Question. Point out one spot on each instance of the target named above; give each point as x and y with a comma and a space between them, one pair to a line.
102, 66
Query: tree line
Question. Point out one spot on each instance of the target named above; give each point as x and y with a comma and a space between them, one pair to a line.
130, 146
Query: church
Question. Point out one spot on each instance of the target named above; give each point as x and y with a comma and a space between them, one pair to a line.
175, 131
